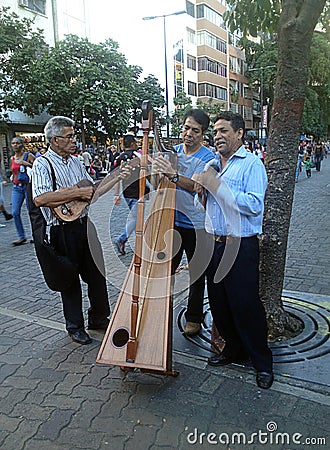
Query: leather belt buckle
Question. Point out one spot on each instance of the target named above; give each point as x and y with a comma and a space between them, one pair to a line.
218, 238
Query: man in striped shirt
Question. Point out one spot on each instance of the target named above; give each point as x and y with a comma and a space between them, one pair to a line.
70, 238
234, 213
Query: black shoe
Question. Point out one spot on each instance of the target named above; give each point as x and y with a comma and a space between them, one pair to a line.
98, 326
7, 215
220, 360
265, 379
19, 242
120, 247
81, 337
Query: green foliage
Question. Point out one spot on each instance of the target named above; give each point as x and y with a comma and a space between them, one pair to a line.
89, 82
148, 89
316, 114
211, 107
253, 16
20, 50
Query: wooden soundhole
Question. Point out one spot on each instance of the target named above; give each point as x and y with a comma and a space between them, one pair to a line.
120, 337
161, 255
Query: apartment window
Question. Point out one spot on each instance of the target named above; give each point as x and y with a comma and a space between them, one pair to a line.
210, 90
191, 62
191, 35
190, 8
234, 64
247, 113
212, 66
38, 6
206, 38
205, 12
192, 88
179, 55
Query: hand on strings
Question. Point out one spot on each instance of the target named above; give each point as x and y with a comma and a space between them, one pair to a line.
125, 171
161, 164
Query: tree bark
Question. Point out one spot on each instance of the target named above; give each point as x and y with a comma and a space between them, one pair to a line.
297, 22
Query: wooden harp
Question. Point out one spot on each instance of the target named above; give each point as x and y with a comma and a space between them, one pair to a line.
139, 334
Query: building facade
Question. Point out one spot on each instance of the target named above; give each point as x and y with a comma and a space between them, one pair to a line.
208, 63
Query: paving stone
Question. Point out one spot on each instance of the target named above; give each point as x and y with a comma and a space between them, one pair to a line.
57, 421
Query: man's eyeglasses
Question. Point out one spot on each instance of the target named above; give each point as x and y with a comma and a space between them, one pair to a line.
70, 137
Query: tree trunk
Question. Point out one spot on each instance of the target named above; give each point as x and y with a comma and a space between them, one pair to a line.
296, 26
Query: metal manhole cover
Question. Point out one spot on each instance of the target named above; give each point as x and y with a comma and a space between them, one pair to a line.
312, 343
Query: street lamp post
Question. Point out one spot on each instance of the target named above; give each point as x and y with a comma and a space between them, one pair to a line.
165, 59
261, 69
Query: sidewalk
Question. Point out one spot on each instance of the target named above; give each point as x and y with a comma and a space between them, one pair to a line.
53, 396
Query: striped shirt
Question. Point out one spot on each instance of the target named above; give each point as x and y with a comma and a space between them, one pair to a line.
67, 174
238, 206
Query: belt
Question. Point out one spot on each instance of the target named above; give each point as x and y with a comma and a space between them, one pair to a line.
74, 223
218, 238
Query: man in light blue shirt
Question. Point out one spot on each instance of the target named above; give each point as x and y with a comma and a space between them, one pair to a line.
190, 236
234, 213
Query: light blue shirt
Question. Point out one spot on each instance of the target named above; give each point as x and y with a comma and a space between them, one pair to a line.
238, 206
186, 214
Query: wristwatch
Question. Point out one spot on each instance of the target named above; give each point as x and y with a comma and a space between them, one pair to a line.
175, 178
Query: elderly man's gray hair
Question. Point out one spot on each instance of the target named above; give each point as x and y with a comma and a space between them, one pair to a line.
54, 127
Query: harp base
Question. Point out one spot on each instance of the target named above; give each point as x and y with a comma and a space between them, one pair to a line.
169, 373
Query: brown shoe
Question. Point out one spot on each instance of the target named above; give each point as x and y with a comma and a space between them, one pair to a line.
19, 242
192, 328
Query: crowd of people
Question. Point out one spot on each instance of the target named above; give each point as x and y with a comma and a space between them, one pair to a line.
220, 187
310, 156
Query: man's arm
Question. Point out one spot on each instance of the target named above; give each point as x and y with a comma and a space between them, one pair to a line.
163, 165
57, 198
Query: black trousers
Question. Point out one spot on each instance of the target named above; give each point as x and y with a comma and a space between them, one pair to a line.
235, 304
195, 243
76, 240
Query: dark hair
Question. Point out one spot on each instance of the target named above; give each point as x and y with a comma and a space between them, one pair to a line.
128, 140
236, 120
19, 139
200, 116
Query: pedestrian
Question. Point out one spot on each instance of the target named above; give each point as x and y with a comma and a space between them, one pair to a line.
19, 163
87, 160
308, 166
234, 213
207, 144
113, 154
97, 166
130, 190
71, 238
301, 156
190, 235
3, 210
318, 153
3, 182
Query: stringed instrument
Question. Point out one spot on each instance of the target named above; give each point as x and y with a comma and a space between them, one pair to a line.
139, 334
72, 210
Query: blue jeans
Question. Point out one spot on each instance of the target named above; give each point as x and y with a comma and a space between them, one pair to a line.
131, 219
299, 168
17, 199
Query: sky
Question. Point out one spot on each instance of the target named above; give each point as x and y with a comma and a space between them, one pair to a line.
141, 41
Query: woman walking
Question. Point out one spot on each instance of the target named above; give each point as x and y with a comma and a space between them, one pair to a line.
19, 162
